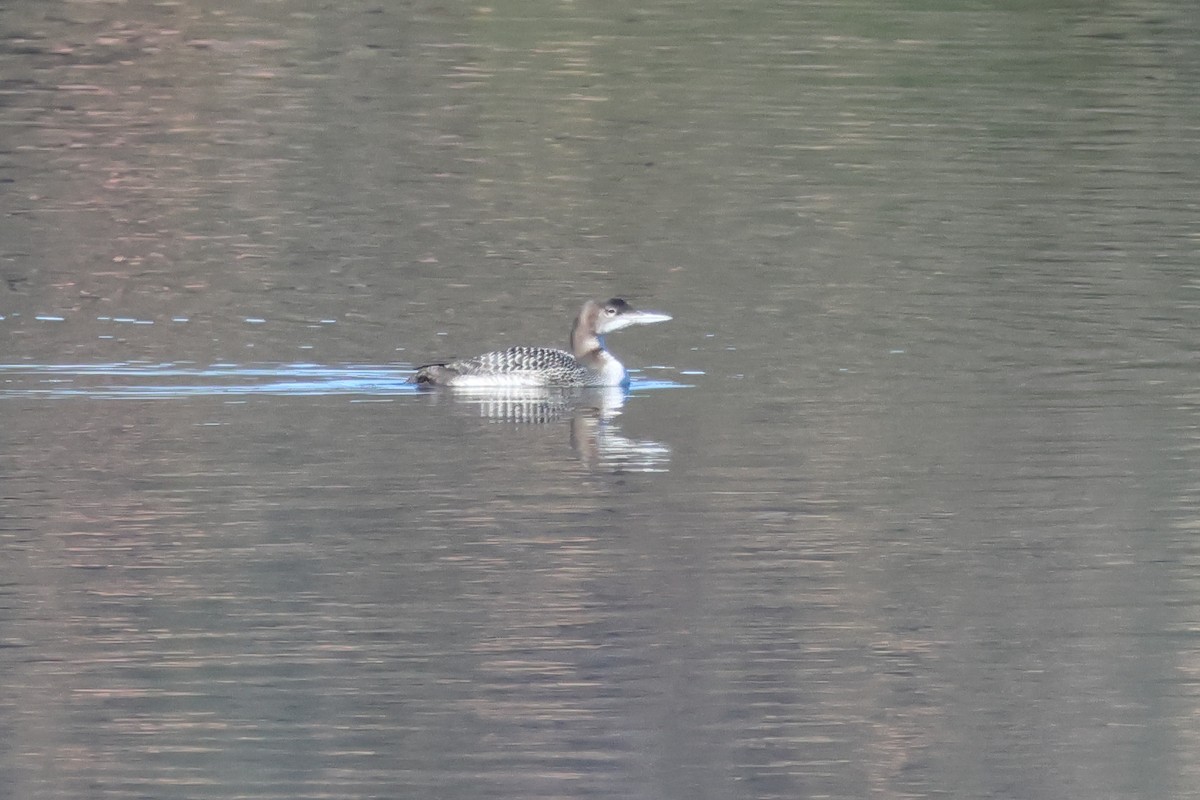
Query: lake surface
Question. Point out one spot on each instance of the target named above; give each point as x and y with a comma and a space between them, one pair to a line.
903, 503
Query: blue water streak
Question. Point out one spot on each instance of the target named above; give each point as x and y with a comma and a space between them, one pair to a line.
144, 380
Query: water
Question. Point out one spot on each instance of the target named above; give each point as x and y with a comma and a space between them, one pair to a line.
901, 503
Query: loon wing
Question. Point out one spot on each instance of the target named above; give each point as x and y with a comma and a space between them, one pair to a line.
516, 366
519, 359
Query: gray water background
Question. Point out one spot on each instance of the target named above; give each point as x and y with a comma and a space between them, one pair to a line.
904, 501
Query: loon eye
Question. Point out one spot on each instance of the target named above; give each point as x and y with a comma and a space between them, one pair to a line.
610, 311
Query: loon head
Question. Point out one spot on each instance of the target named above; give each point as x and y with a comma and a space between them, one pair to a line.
599, 318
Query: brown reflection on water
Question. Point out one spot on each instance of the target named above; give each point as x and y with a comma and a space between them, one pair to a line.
922, 525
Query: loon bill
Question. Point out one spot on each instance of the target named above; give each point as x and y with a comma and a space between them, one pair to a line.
588, 363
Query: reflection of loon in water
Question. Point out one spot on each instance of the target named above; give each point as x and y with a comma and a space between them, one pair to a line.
595, 435
598, 441
588, 363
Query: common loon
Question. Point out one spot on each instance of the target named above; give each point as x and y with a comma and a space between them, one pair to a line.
588, 363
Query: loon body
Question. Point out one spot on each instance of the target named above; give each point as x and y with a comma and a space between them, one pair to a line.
588, 363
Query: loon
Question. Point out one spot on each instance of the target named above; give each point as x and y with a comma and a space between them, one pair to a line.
588, 363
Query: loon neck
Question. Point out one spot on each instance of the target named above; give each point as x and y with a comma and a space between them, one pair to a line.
585, 340
587, 345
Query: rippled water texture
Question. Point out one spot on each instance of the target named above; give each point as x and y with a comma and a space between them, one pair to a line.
902, 503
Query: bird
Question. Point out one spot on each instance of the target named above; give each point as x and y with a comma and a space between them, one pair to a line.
588, 364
